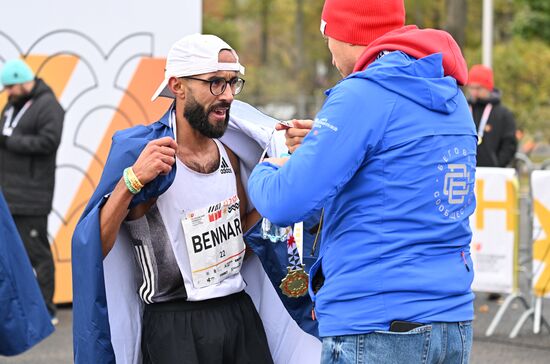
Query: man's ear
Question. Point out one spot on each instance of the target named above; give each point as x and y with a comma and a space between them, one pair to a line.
177, 86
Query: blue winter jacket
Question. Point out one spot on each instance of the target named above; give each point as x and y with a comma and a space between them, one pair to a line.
24, 319
391, 159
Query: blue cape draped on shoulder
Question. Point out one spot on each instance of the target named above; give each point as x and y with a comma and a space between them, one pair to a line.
98, 283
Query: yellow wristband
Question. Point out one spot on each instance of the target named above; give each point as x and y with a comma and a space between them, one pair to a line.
134, 180
128, 184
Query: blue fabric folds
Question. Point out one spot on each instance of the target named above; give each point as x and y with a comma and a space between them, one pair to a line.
24, 319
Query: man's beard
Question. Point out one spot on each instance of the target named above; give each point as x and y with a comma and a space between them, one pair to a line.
197, 117
19, 100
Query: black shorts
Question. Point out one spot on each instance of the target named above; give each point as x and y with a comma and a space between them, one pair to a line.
220, 330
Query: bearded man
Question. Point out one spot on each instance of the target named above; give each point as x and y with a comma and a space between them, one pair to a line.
31, 122
182, 208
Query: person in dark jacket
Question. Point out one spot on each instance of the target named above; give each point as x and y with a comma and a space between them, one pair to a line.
31, 122
495, 124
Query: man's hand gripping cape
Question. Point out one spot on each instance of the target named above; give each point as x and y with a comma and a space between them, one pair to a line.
106, 308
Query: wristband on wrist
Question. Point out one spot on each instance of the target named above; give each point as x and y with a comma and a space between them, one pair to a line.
132, 182
133, 179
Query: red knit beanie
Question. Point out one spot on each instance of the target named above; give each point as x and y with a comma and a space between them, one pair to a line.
481, 75
361, 21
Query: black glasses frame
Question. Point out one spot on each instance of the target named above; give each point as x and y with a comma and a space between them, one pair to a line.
232, 84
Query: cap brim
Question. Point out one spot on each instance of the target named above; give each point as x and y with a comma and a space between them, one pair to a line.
163, 91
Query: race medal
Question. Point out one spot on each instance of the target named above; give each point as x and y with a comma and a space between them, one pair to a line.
295, 284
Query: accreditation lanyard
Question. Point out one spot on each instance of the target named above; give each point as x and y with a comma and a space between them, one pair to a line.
483, 122
12, 122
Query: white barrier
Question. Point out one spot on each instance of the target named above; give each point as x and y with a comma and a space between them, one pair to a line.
540, 187
540, 184
495, 231
540, 180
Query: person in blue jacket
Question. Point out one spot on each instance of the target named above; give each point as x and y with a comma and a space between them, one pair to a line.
24, 318
391, 159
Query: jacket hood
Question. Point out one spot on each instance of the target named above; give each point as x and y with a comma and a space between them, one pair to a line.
40, 88
419, 43
420, 80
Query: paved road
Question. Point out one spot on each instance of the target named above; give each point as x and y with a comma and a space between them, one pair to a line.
527, 348
57, 348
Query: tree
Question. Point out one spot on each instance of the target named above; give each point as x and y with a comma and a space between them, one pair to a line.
287, 61
533, 19
455, 20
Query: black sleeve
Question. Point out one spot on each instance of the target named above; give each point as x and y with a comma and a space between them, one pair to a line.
3, 138
508, 143
49, 126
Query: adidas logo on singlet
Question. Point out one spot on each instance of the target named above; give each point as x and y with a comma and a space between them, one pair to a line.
225, 167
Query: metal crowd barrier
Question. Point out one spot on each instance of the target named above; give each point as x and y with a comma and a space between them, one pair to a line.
532, 303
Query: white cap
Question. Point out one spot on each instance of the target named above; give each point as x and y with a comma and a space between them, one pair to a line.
192, 55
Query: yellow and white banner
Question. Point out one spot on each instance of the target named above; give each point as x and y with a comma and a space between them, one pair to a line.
103, 60
495, 230
540, 187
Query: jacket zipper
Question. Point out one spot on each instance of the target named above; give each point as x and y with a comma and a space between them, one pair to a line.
464, 260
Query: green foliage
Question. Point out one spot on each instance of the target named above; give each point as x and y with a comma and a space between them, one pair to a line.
425, 13
533, 19
220, 18
524, 79
265, 34
522, 73
225, 29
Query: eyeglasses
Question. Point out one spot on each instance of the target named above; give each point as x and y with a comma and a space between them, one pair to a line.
219, 84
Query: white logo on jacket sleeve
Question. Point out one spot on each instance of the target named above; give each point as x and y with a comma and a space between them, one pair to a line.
323, 123
455, 185
454, 182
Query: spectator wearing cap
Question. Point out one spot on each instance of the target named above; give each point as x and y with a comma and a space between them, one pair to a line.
495, 124
390, 158
172, 207
32, 122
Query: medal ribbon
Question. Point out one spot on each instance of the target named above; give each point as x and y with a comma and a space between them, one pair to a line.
294, 261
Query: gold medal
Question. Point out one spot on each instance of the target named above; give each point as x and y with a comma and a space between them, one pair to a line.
295, 283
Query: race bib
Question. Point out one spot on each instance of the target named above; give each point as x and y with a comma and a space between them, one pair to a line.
214, 240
